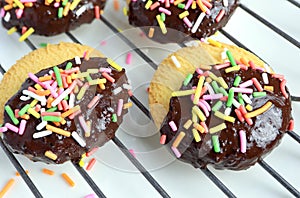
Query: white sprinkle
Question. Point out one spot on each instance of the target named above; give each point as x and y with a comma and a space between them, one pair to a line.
7, 17
41, 134
80, 10
198, 22
209, 87
236, 103
225, 3
25, 98
126, 86
265, 78
246, 99
78, 139
61, 97
175, 61
77, 60
41, 125
42, 99
42, 111
72, 100
227, 111
268, 69
117, 90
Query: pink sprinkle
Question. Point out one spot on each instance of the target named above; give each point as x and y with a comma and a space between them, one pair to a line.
79, 82
56, 4
279, 76
24, 29
164, 10
221, 66
132, 152
120, 107
242, 90
203, 124
59, 106
73, 85
188, 4
103, 69
12, 127
3, 129
19, 13
154, 5
291, 125
163, 139
187, 22
28, 1
90, 196
65, 105
73, 115
257, 84
16, 113
176, 152
248, 83
249, 121
37, 107
36, 79
72, 70
282, 88
102, 43
52, 91
57, 114
83, 123
220, 15
108, 77
173, 126
206, 104
22, 127
199, 71
171, 1
128, 58
64, 81
207, 4
243, 67
167, 3
203, 107
93, 101
212, 96
2, 12
243, 141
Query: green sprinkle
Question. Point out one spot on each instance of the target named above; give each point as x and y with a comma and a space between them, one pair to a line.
69, 65
215, 86
88, 78
163, 16
67, 97
11, 114
24, 110
217, 106
187, 79
259, 94
114, 118
216, 143
230, 98
237, 81
222, 91
60, 12
241, 100
230, 57
181, 5
43, 44
1, 125
58, 76
51, 118
52, 109
64, 3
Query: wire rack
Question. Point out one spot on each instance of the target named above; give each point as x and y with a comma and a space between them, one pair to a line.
256, 27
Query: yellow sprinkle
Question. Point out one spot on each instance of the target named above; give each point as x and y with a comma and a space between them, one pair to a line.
148, 4
81, 163
199, 113
38, 87
70, 111
198, 90
8, 7
11, 30
178, 2
269, 88
231, 69
205, 67
184, 14
217, 128
66, 9
224, 117
222, 82
127, 105
151, 32
74, 4
178, 139
199, 127
213, 76
97, 81
81, 92
26, 34
259, 111
194, 5
125, 11
187, 124
34, 113
114, 64
102, 86
194, 117
249, 107
80, 75
50, 155
34, 102
58, 130
63, 121
196, 135
161, 24
183, 93
214, 43
19, 4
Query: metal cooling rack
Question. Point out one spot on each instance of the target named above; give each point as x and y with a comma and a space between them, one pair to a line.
256, 27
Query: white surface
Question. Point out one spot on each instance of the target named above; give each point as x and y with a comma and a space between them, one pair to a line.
114, 173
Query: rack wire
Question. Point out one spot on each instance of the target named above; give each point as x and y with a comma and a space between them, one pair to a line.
143, 171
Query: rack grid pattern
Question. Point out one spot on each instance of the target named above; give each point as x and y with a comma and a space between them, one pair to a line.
110, 23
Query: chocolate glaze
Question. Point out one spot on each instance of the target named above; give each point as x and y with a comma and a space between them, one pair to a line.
140, 17
66, 148
262, 137
44, 19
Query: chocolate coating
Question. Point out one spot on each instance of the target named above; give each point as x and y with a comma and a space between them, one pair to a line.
261, 137
141, 17
44, 19
66, 148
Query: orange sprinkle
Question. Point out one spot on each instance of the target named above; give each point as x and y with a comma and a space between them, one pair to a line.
243, 61
68, 179
130, 93
43, 93
45, 78
91, 164
47, 171
49, 101
25, 116
116, 5
97, 12
291, 125
29, 4
18, 174
69, 80
8, 7
7, 187
201, 6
